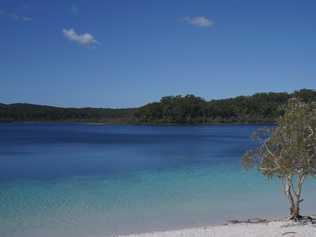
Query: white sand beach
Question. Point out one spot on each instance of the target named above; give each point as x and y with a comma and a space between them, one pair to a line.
269, 229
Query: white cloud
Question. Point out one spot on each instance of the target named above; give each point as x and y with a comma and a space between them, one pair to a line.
14, 16
199, 21
85, 39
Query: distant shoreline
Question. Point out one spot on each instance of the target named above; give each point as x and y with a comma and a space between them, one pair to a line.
260, 108
137, 124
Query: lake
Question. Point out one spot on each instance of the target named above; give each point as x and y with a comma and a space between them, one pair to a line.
80, 180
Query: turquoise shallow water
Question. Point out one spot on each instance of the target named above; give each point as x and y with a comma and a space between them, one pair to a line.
91, 180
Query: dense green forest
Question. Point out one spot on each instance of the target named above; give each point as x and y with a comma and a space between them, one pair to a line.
30, 112
258, 108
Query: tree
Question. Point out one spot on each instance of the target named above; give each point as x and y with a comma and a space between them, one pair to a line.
288, 151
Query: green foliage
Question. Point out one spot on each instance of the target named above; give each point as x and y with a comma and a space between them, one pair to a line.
259, 108
288, 151
189, 109
290, 147
174, 109
29, 112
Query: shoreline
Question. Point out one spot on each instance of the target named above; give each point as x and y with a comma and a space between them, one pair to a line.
138, 123
249, 228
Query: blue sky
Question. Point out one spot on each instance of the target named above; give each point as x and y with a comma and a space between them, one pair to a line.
119, 53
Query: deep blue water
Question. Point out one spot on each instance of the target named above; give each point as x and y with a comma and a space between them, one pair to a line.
50, 151
92, 180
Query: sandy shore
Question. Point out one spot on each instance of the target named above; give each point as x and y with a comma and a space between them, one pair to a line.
270, 229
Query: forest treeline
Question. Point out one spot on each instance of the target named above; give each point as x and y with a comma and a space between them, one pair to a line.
258, 108
30, 112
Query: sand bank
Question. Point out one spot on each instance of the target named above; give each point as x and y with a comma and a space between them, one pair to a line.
269, 229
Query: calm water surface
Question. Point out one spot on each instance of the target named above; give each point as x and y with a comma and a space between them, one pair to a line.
100, 180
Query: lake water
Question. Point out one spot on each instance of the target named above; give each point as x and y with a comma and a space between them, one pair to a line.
81, 180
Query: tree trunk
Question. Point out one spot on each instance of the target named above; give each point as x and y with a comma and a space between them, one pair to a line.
295, 213
294, 196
